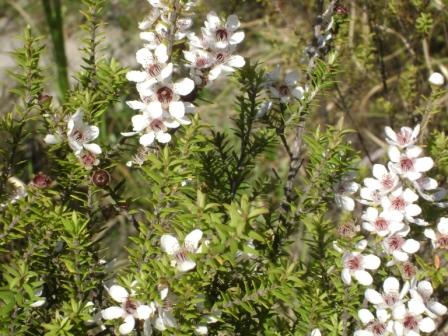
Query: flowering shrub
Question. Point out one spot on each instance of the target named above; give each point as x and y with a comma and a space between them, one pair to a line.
138, 213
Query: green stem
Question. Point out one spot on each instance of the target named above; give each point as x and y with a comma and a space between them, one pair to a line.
52, 10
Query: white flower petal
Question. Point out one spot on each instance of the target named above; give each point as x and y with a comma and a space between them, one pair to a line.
391, 285
236, 61
236, 38
423, 164
346, 276
127, 326
192, 240
399, 311
394, 154
411, 246
169, 244
233, 23
177, 109
163, 137
442, 226
427, 325
136, 104
371, 262
416, 307
118, 293
154, 110
373, 296
93, 148
136, 76
112, 313
437, 308
365, 316
52, 139
186, 265
363, 277
144, 312
147, 139
184, 86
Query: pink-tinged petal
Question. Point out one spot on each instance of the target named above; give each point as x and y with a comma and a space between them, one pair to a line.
136, 104
215, 73
147, 139
169, 244
186, 265
363, 277
427, 325
373, 296
346, 276
411, 246
236, 38
442, 226
93, 148
414, 152
365, 316
177, 109
399, 311
233, 23
139, 122
191, 241
118, 293
379, 170
136, 76
437, 308
144, 312
128, 325
184, 86
416, 307
236, 61
112, 313
371, 262
391, 285
390, 133
163, 137
423, 164
413, 210
394, 154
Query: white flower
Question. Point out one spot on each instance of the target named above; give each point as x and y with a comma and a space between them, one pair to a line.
382, 223
383, 182
164, 318
409, 321
201, 330
374, 327
316, 332
40, 302
343, 191
284, 89
198, 58
224, 63
88, 159
405, 138
425, 183
150, 129
181, 254
149, 20
391, 295
355, 265
154, 66
409, 164
80, 135
222, 35
400, 247
422, 291
402, 201
437, 79
129, 310
53, 139
165, 96
439, 239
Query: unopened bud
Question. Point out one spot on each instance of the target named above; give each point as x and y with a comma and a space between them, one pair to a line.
41, 181
101, 178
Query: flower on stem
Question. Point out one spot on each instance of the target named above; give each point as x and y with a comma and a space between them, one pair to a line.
391, 295
379, 326
409, 164
399, 247
80, 135
402, 202
423, 291
383, 223
404, 138
343, 191
221, 34
181, 254
384, 181
355, 265
408, 319
284, 89
439, 239
129, 311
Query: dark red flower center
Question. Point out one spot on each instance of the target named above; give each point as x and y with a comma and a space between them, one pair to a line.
398, 203
154, 70
353, 263
387, 181
221, 34
410, 322
377, 328
130, 307
157, 125
381, 224
165, 95
442, 241
394, 242
284, 90
406, 164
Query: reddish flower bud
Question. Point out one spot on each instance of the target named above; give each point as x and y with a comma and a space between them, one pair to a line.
101, 178
45, 100
41, 181
341, 10
409, 270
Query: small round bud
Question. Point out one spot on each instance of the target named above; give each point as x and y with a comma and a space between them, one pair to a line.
341, 10
45, 100
436, 79
101, 178
347, 230
41, 181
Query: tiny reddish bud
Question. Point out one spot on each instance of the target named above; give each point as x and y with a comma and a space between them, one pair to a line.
341, 10
41, 181
45, 100
101, 178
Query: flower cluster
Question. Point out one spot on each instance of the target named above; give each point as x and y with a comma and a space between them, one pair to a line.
390, 198
80, 137
212, 54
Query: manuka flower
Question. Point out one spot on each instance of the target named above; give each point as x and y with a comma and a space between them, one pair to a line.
222, 34
402, 202
343, 194
355, 265
379, 326
129, 311
409, 164
284, 89
400, 247
439, 239
404, 138
408, 319
382, 223
423, 291
181, 254
154, 66
80, 135
391, 295
383, 182
150, 129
